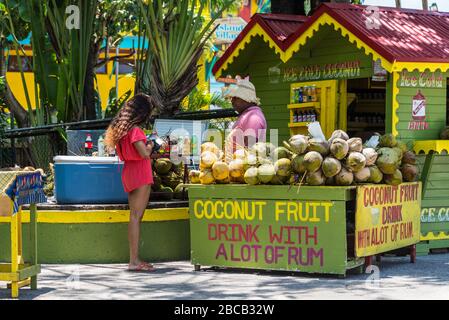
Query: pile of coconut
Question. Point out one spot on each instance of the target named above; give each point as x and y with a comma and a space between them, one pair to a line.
343, 161
263, 163
339, 161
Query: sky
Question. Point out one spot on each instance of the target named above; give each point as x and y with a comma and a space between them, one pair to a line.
443, 5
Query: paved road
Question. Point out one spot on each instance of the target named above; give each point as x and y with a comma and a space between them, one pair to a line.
399, 279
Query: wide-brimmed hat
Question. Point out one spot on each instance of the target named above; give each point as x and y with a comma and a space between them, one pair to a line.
244, 90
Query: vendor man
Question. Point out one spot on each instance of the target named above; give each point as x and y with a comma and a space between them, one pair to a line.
251, 125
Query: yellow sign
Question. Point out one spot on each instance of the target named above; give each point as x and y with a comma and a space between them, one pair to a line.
387, 217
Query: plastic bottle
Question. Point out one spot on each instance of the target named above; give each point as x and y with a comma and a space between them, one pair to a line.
88, 145
194, 145
100, 144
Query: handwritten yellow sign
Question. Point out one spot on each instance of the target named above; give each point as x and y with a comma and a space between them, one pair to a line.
387, 217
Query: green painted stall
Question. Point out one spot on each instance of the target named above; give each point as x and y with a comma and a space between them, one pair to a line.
254, 227
326, 230
367, 66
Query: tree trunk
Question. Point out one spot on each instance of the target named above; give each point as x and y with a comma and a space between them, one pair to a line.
89, 101
398, 3
425, 5
20, 114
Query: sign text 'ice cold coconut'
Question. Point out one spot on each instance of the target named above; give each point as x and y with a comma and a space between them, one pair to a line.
387, 217
268, 233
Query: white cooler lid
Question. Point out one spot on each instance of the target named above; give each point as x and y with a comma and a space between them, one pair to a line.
79, 159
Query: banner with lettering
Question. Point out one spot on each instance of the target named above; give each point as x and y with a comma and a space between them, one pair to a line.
306, 236
387, 217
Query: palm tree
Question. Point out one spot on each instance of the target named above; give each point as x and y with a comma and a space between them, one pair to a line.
167, 69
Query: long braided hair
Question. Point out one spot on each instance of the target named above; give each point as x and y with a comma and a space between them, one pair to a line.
135, 112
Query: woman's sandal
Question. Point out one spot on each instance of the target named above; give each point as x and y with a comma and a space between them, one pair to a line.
142, 267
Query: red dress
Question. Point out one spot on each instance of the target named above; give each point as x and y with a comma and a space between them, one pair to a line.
137, 171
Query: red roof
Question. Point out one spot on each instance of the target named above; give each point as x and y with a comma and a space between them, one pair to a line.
400, 34
278, 26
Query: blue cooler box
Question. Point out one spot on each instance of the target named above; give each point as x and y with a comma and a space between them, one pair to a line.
89, 180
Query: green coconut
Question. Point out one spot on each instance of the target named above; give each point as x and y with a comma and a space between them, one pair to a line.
393, 179
157, 183
339, 148
355, 145
387, 160
356, 161
362, 175
409, 172
398, 152
370, 155
251, 176
298, 164
330, 181
250, 161
282, 167
344, 177
376, 176
163, 166
297, 144
261, 161
279, 180
281, 153
180, 188
312, 161
318, 145
294, 179
388, 140
338, 134
166, 189
260, 149
330, 167
409, 157
316, 178
266, 173
402, 145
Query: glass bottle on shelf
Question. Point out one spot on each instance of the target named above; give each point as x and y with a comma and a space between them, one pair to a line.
295, 116
300, 95
313, 116
305, 95
313, 94
301, 117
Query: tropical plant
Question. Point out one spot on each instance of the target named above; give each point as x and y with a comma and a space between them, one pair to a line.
170, 62
12, 29
114, 103
114, 20
200, 99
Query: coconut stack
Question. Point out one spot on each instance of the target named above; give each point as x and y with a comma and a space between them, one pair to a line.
339, 161
166, 175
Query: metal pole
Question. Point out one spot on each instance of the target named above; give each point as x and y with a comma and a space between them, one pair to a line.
13, 142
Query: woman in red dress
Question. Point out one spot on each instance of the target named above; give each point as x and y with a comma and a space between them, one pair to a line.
130, 143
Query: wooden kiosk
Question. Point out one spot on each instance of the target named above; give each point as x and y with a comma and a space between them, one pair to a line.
385, 75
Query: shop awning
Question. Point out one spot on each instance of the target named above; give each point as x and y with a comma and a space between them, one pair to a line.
400, 38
